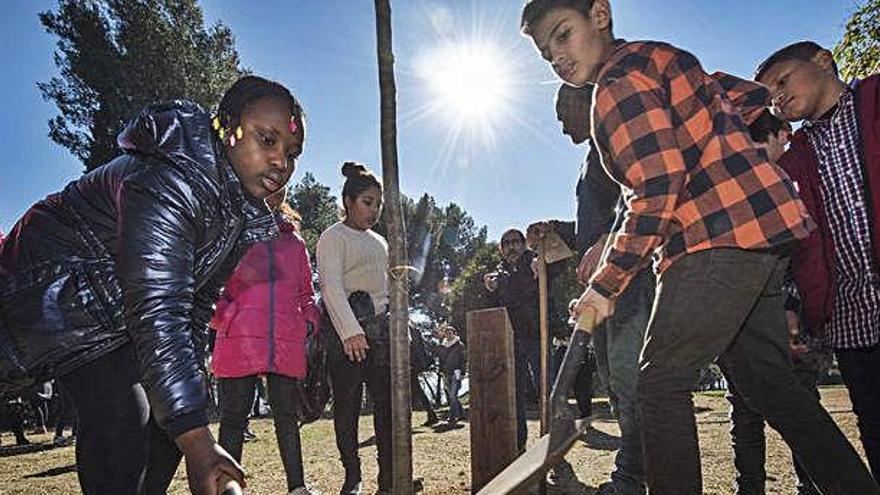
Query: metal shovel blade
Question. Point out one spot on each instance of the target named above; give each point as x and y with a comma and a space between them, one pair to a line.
527, 469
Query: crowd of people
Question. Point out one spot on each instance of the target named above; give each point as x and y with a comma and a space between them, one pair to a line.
764, 261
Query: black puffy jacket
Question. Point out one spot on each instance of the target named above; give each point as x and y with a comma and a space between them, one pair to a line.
135, 251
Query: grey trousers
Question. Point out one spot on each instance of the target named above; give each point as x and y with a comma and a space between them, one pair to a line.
728, 304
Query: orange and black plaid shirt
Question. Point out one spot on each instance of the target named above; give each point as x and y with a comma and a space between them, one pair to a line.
677, 141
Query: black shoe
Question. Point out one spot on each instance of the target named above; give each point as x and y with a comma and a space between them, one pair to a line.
432, 420
22, 441
353, 485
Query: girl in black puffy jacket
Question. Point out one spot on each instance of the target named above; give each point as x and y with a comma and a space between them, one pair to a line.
108, 285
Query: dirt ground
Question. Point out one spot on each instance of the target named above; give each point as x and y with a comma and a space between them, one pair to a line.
441, 456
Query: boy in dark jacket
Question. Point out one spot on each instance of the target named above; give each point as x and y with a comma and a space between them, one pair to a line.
835, 161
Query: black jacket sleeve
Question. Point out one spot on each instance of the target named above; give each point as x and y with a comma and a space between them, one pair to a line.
158, 235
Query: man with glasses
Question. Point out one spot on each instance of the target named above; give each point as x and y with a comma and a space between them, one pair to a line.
514, 285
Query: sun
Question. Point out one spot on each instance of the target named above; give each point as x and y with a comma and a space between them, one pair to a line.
468, 81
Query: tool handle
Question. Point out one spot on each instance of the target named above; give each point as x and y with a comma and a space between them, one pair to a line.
571, 363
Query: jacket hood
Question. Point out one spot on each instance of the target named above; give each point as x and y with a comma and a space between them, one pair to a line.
179, 131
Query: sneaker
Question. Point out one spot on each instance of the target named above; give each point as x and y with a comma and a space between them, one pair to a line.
352, 484
562, 474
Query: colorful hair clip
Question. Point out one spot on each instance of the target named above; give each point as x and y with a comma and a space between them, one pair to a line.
215, 123
222, 134
292, 125
239, 132
232, 141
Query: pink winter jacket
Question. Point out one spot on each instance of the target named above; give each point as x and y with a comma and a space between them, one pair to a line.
261, 317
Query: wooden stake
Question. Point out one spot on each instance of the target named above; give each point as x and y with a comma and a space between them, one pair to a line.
401, 402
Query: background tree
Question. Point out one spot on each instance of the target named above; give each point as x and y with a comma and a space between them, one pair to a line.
858, 53
441, 243
468, 292
317, 207
117, 56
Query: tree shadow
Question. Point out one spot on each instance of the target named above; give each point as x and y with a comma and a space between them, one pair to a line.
56, 471
444, 427
13, 450
599, 440
368, 442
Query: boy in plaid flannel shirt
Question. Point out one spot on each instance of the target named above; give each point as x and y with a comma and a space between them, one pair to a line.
720, 219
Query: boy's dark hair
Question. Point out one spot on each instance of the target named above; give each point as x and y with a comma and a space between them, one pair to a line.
535, 10
248, 89
764, 126
358, 178
802, 50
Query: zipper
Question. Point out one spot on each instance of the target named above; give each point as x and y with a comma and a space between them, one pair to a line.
271, 305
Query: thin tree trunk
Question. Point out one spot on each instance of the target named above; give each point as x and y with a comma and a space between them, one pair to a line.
401, 402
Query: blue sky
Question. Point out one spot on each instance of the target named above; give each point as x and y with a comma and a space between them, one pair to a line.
505, 162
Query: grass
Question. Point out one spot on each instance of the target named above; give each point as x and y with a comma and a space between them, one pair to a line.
440, 457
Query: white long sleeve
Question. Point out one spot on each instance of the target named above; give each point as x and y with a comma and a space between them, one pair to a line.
351, 260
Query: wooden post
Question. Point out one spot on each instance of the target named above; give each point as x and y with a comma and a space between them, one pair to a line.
492, 413
401, 402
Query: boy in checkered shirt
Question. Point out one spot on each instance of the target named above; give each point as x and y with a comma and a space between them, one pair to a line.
835, 160
720, 219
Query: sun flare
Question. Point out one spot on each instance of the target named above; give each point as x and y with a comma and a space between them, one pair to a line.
467, 81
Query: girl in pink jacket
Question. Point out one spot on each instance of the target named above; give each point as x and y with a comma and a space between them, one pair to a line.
261, 322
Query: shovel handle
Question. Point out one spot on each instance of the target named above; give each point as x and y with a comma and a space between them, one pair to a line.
571, 363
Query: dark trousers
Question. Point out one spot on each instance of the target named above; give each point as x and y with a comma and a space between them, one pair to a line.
860, 369
583, 382
749, 443
453, 385
418, 395
347, 379
119, 447
236, 399
527, 357
65, 413
728, 303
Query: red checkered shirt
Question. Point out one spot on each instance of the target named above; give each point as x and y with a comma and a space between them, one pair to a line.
677, 141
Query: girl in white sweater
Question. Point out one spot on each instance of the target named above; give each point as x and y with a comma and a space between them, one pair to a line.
352, 263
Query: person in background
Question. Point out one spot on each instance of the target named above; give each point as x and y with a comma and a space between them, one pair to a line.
453, 364
261, 321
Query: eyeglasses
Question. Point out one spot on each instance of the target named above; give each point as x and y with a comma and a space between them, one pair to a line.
510, 242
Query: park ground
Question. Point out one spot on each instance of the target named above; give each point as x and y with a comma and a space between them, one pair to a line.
441, 456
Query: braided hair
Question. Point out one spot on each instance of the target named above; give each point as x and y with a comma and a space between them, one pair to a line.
245, 91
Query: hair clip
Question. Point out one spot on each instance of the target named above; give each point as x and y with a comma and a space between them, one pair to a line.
215, 123
292, 126
239, 132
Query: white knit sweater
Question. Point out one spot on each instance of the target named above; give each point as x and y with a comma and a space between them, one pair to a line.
350, 260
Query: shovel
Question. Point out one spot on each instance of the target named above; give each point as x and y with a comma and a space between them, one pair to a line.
527, 469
